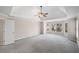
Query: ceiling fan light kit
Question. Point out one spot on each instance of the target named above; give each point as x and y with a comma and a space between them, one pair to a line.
41, 13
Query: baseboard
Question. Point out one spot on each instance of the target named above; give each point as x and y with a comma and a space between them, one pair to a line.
8, 42
20, 38
26, 37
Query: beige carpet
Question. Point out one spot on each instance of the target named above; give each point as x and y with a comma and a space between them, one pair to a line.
47, 43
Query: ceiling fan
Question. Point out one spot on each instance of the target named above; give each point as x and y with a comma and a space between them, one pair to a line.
41, 13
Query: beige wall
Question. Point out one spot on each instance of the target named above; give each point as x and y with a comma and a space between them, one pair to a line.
25, 29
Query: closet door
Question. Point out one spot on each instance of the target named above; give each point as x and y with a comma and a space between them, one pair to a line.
9, 31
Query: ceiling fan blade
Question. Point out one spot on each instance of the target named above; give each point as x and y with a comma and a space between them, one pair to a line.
41, 14
46, 13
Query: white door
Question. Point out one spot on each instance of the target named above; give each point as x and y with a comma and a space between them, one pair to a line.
9, 31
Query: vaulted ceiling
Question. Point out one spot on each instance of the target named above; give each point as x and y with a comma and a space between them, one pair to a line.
29, 12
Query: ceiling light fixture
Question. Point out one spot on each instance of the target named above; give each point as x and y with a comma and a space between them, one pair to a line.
41, 13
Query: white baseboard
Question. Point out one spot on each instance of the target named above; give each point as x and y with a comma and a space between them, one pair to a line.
8, 42
25, 37
21, 38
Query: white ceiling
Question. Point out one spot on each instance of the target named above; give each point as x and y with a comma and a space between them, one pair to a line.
29, 12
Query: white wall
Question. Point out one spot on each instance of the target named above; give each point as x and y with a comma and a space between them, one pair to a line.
78, 33
71, 28
77, 30
5, 9
25, 29
24, 12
